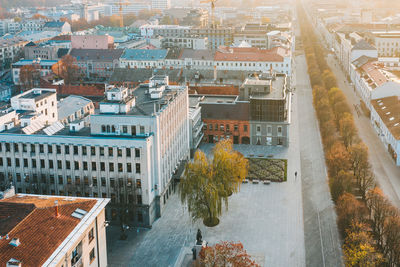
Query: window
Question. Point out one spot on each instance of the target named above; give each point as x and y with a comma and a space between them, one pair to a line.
49, 149
129, 167
120, 168
85, 166
93, 166
101, 151
59, 164
279, 130
245, 128
66, 150
138, 183
94, 181
103, 181
33, 163
51, 165
269, 130
16, 162
60, 180
75, 150
77, 180
141, 129
258, 129
91, 235
137, 152
235, 127
124, 129
42, 165
112, 182
76, 165
69, 180
110, 151
111, 166
93, 151
137, 167
133, 130
128, 152
102, 166
58, 149
119, 152
68, 164
84, 150
41, 148
139, 199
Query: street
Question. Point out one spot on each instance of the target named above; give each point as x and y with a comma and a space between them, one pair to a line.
322, 242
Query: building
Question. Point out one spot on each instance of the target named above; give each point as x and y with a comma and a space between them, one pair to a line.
39, 230
92, 41
386, 121
10, 51
43, 52
130, 152
59, 26
216, 36
97, 62
131, 7
195, 43
195, 124
260, 115
9, 26
32, 24
74, 108
36, 107
387, 43
143, 58
43, 66
253, 34
160, 4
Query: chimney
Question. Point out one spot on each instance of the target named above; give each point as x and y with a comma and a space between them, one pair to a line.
56, 209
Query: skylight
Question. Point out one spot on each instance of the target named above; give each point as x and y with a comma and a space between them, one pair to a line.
79, 213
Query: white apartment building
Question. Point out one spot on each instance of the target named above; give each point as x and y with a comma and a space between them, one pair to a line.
10, 50
32, 25
160, 4
42, 230
129, 152
387, 43
196, 43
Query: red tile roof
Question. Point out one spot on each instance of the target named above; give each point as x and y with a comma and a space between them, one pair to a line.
374, 73
276, 54
39, 231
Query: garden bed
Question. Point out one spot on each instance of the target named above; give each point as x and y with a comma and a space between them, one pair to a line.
274, 170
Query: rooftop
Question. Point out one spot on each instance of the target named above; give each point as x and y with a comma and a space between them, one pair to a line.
96, 54
24, 62
388, 109
250, 54
197, 54
144, 54
70, 105
374, 76
32, 219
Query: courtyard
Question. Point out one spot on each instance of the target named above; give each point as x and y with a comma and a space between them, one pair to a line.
267, 219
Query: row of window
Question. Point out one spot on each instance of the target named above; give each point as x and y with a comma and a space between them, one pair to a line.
59, 150
77, 165
124, 128
222, 127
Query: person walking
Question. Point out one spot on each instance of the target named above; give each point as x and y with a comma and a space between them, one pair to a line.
295, 175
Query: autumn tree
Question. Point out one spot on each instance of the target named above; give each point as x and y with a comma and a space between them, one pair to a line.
349, 210
358, 248
391, 248
199, 190
358, 158
340, 184
338, 103
380, 210
337, 159
67, 69
209, 182
365, 180
29, 77
229, 167
225, 254
329, 79
347, 129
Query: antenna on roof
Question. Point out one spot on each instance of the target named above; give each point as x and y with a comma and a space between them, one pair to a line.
56, 208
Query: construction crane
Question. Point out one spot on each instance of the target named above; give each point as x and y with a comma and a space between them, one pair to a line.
212, 10
121, 16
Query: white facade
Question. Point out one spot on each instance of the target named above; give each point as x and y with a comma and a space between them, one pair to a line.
388, 44
160, 4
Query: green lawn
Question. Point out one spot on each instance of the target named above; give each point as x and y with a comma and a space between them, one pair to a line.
267, 169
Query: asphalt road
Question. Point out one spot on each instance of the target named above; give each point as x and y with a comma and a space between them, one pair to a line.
322, 242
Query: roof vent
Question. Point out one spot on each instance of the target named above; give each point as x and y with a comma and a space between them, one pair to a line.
13, 263
391, 118
15, 242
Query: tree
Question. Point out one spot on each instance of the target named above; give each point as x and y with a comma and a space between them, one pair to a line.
226, 254
67, 69
365, 180
166, 20
329, 79
347, 129
338, 159
358, 158
338, 103
380, 210
391, 248
230, 168
340, 184
29, 76
207, 182
199, 190
358, 248
349, 210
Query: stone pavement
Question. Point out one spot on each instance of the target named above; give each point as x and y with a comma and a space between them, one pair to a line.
267, 219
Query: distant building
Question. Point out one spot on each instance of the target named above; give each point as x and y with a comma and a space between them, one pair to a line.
143, 58
10, 51
160, 4
43, 52
92, 41
59, 26
387, 43
44, 67
38, 230
97, 62
73, 108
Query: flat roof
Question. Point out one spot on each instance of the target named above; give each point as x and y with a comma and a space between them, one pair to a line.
70, 105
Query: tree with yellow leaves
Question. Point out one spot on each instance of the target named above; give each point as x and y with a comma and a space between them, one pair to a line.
207, 182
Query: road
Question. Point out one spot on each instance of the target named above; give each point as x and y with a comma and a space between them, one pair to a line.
386, 172
322, 242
